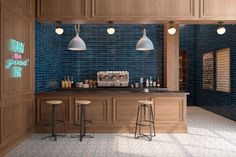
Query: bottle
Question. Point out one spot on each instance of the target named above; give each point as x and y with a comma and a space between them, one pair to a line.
141, 82
154, 83
62, 84
158, 82
65, 82
147, 83
68, 82
150, 81
72, 82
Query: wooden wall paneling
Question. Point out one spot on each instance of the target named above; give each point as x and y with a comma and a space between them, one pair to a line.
48, 8
74, 8
125, 109
17, 93
169, 109
16, 28
62, 10
218, 9
145, 9
27, 6
97, 111
171, 59
44, 113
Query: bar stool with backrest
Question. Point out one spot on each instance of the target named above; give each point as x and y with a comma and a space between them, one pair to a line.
83, 122
145, 118
54, 122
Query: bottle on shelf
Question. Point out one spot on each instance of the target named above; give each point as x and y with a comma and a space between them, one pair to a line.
150, 81
158, 82
68, 82
141, 82
147, 83
154, 83
72, 81
62, 84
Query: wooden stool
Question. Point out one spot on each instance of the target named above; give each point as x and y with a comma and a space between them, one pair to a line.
54, 122
145, 118
82, 123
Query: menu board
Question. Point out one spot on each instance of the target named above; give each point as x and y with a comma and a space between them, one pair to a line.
207, 71
223, 70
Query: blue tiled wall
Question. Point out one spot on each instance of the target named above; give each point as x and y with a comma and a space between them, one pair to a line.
208, 40
104, 52
113, 52
188, 42
47, 57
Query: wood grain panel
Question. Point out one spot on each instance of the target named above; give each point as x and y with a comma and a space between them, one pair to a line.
44, 113
73, 8
17, 28
116, 112
48, 8
171, 59
169, 109
15, 119
17, 98
62, 10
97, 111
218, 9
125, 110
151, 9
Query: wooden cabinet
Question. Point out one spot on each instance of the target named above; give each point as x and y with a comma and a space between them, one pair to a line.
144, 9
62, 10
218, 9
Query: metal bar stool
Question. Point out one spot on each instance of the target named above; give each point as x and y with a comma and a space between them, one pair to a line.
145, 118
54, 122
82, 123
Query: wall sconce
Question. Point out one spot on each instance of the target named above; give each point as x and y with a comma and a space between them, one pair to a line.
221, 29
171, 29
111, 30
59, 30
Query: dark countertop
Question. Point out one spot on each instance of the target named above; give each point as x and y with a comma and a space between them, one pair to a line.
126, 91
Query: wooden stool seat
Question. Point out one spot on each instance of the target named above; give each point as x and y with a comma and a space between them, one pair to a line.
54, 102
145, 102
83, 102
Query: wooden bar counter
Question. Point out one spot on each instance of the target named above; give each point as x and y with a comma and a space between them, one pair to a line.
113, 110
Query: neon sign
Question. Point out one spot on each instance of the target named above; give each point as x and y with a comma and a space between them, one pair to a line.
16, 63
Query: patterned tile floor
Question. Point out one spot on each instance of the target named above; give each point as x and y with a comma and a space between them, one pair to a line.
209, 135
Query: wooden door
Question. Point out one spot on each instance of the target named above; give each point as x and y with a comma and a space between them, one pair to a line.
144, 9
218, 9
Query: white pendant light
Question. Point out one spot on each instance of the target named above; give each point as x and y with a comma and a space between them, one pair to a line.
111, 30
171, 29
59, 30
144, 44
221, 29
77, 44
